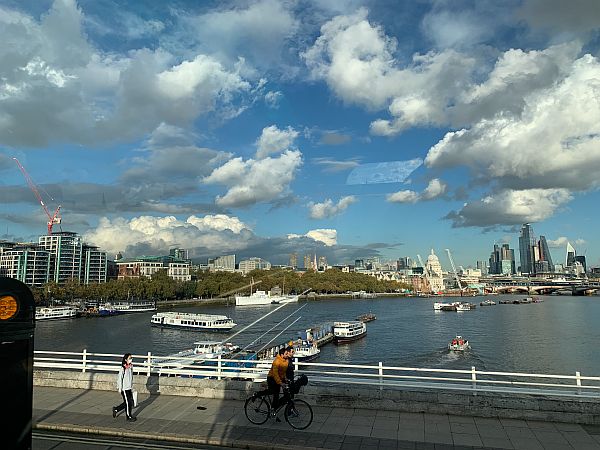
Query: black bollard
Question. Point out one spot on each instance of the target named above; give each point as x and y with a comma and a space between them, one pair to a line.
17, 325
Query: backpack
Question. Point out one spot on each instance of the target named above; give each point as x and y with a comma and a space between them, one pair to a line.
295, 386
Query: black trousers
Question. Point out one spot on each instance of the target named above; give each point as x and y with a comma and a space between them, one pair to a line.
274, 389
127, 404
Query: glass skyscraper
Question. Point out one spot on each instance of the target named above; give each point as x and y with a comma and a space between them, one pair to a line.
526, 249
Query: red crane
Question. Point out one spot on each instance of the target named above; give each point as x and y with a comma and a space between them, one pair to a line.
52, 218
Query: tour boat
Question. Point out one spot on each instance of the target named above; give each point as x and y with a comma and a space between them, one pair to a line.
55, 312
441, 306
131, 307
458, 344
263, 298
487, 302
306, 351
348, 331
463, 307
190, 321
201, 352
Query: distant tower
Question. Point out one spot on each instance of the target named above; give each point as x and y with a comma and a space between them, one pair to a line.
294, 260
526, 249
315, 266
545, 253
571, 254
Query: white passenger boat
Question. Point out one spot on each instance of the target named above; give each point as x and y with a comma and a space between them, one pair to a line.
263, 298
201, 352
487, 302
190, 321
458, 344
465, 307
306, 351
132, 307
55, 312
348, 331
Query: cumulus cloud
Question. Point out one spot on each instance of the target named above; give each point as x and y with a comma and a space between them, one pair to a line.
273, 140
435, 188
217, 232
51, 75
253, 181
356, 59
329, 209
326, 236
553, 143
510, 207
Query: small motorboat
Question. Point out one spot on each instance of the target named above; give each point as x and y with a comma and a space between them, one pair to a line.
458, 344
487, 302
367, 317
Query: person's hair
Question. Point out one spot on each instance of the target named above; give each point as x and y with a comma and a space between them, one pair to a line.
124, 360
289, 348
282, 350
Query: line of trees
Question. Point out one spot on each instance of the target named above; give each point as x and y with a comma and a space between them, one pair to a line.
215, 284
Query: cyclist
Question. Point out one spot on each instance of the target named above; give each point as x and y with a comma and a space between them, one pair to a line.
277, 375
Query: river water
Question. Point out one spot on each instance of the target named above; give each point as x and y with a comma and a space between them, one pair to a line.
560, 335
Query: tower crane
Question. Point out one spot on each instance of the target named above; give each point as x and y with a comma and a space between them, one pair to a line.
52, 218
454, 269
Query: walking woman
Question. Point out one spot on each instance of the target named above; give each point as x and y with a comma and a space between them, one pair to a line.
125, 387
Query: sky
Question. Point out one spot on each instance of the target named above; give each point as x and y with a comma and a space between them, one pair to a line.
349, 129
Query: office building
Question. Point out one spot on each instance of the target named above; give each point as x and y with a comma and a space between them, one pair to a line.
527, 250
224, 263
502, 260
570, 257
322, 264
250, 264
66, 250
180, 253
544, 254
95, 265
294, 260
28, 263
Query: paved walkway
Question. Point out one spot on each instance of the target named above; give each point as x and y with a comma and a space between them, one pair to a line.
222, 422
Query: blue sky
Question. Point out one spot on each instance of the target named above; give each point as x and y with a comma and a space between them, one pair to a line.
346, 128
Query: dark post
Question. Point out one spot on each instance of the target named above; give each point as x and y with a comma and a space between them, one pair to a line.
17, 324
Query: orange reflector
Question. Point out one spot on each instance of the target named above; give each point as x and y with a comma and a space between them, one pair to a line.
8, 307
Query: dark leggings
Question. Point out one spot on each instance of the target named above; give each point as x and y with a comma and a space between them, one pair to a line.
127, 404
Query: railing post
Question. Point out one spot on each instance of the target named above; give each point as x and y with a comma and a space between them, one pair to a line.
218, 367
149, 363
84, 361
296, 364
578, 381
474, 380
380, 376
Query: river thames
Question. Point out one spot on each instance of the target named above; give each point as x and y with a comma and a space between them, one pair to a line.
561, 335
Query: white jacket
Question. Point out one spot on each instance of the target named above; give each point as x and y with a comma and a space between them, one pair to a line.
125, 379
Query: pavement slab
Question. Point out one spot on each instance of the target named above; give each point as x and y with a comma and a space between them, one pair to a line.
223, 423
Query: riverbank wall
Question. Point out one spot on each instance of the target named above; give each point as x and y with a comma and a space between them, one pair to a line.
483, 404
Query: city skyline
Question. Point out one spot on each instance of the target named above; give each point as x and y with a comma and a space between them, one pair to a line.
348, 129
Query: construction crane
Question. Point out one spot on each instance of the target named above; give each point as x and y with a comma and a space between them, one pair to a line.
454, 268
52, 218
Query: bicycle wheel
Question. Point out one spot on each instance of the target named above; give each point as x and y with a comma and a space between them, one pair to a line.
298, 414
257, 409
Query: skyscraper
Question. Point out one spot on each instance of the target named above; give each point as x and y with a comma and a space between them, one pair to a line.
294, 260
545, 253
502, 260
571, 254
526, 250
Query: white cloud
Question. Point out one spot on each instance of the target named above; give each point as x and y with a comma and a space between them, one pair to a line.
553, 143
356, 59
510, 207
329, 209
435, 188
327, 236
273, 140
53, 76
562, 241
273, 98
253, 181
404, 196
219, 233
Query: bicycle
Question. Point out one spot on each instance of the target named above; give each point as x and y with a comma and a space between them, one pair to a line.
297, 413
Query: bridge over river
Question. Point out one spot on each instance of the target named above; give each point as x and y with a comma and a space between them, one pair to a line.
535, 286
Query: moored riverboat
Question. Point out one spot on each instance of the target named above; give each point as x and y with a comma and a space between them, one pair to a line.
190, 321
487, 302
131, 307
344, 332
306, 351
55, 312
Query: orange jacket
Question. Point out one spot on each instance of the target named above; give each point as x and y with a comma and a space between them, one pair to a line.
278, 369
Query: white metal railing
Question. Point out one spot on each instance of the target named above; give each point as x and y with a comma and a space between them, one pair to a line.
379, 375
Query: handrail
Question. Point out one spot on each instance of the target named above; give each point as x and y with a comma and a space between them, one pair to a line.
324, 373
